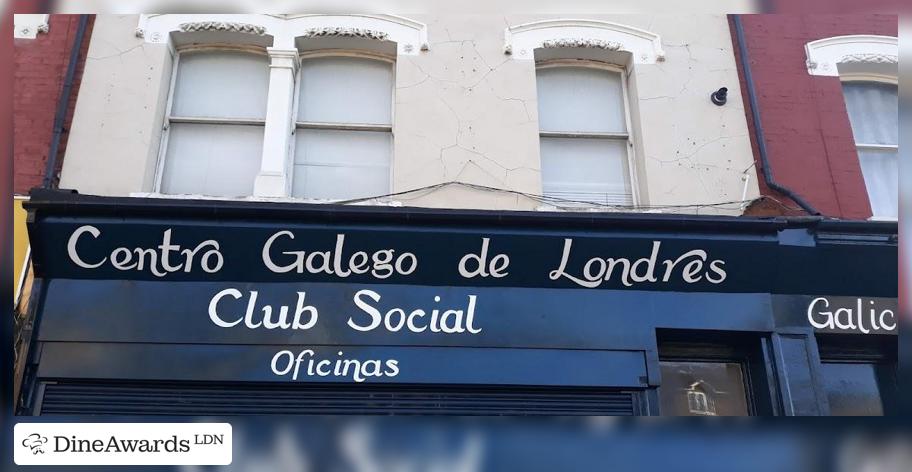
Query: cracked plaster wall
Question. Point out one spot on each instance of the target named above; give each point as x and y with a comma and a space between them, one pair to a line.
466, 111
113, 146
463, 111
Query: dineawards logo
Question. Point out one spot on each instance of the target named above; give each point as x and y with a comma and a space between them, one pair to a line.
35, 442
122, 443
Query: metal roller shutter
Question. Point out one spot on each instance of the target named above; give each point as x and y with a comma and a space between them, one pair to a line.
186, 398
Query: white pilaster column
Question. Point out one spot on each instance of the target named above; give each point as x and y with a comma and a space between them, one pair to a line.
273, 181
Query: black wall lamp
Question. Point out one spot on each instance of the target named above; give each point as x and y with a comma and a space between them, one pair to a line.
719, 97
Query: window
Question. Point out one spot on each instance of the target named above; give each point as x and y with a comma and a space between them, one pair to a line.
858, 373
714, 373
215, 123
277, 106
344, 136
852, 389
703, 389
584, 133
217, 117
873, 109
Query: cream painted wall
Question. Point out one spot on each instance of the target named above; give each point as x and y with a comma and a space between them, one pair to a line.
113, 143
464, 111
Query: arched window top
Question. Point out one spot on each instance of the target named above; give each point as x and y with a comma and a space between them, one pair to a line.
281, 31
521, 40
851, 54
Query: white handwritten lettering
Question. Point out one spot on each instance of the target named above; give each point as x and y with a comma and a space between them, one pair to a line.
849, 319
483, 268
446, 321
267, 320
156, 260
691, 266
381, 264
285, 362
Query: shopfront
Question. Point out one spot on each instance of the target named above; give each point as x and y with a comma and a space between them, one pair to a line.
155, 306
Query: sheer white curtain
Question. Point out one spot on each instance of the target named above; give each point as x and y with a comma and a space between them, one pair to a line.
216, 123
344, 136
874, 113
583, 135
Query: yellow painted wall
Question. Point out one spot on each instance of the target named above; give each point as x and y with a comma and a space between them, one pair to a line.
20, 242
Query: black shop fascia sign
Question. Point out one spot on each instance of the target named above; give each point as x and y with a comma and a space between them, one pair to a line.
216, 291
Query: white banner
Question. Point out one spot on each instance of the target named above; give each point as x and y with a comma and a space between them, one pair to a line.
122, 443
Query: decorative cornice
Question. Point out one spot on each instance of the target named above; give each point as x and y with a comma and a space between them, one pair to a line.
227, 26
520, 41
582, 43
860, 59
825, 55
283, 31
869, 59
345, 32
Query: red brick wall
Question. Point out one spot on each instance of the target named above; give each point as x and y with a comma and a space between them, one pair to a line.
834, 6
809, 138
39, 69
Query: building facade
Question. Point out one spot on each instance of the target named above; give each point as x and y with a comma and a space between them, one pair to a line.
446, 212
48, 60
43, 52
473, 77
826, 88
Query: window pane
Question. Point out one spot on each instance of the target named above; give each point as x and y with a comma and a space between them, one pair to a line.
214, 160
852, 389
341, 164
874, 111
222, 85
580, 99
343, 148
586, 169
339, 183
880, 168
703, 389
346, 90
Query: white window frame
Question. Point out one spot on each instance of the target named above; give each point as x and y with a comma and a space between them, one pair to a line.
883, 79
169, 118
626, 137
298, 125
278, 36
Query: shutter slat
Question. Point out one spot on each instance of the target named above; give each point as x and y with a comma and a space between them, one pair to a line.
70, 397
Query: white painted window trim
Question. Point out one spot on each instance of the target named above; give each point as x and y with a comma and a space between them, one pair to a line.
169, 118
824, 55
627, 137
522, 40
27, 26
409, 36
372, 202
869, 77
